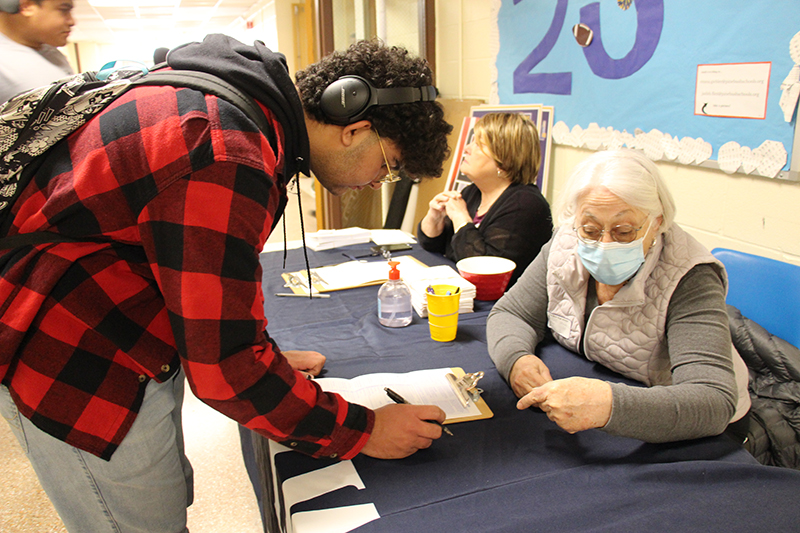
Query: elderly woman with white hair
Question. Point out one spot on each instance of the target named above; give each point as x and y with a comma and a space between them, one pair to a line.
626, 287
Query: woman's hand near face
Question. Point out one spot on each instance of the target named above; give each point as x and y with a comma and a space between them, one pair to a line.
456, 209
575, 404
439, 202
528, 372
433, 223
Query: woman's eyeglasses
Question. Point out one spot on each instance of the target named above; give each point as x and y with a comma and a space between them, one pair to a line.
623, 233
390, 177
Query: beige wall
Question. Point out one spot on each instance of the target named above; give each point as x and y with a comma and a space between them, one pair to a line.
750, 214
402, 28
464, 51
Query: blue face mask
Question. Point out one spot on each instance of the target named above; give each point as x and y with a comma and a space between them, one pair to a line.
612, 263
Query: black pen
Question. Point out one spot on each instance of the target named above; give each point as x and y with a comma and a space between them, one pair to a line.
396, 398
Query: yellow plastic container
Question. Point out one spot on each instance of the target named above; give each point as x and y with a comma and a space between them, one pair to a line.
443, 305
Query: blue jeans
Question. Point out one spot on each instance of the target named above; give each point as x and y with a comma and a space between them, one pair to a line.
144, 488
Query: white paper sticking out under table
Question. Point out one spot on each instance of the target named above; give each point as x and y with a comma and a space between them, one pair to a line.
335, 520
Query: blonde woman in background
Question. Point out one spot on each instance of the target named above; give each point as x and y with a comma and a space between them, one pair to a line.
502, 213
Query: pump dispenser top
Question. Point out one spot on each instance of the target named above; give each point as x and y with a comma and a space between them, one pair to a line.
393, 272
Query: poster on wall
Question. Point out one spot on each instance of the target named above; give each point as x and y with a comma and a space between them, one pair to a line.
541, 116
634, 72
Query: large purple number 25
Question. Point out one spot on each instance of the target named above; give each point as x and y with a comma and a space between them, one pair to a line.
649, 20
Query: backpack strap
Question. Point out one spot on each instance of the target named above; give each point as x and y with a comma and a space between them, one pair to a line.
40, 237
210, 84
190, 79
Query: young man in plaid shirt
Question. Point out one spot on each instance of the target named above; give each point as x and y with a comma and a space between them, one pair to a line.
175, 193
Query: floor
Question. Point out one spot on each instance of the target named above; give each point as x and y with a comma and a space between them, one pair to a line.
224, 500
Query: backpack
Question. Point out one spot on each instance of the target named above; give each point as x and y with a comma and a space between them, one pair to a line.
34, 121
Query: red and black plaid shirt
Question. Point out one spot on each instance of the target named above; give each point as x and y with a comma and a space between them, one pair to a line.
186, 190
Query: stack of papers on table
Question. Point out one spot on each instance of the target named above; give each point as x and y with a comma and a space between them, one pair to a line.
326, 239
391, 236
419, 280
351, 274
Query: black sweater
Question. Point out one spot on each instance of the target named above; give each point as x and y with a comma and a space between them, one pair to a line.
515, 227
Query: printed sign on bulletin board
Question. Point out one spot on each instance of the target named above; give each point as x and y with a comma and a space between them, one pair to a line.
616, 70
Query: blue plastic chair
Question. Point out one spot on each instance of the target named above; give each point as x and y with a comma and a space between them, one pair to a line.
765, 290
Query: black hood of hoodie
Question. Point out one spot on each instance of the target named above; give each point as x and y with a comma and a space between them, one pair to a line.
263, 75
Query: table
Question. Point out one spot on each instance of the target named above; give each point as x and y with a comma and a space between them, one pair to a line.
514, 472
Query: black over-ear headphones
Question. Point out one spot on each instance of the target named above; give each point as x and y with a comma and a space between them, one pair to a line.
347, 99
9, 6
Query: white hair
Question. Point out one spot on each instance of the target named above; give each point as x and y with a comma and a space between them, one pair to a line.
627, 174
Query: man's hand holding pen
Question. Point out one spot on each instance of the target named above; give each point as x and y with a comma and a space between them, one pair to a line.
402, 429
396, 398
399, 430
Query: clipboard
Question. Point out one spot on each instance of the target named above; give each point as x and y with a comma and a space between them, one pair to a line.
429, 386
348, 275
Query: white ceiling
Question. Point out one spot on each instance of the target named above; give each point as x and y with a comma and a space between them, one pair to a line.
117, 21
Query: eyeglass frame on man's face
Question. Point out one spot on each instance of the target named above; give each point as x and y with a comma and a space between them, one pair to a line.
389, 177
614, 231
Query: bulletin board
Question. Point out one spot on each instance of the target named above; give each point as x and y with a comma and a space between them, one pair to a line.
648, 70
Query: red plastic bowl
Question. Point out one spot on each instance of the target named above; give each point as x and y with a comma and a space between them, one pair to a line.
489, 274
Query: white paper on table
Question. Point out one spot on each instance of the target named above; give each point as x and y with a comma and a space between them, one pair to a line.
355, 273
421, 387
279, 245
391, 236
419, 281
323, 481
326, 239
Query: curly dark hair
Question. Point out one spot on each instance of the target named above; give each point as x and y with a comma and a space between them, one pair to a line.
418, 129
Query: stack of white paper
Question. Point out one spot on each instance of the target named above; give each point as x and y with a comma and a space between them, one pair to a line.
419, 281
391, 236
354, 274
326, 239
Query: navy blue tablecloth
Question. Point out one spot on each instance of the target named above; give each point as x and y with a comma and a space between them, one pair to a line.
516, 471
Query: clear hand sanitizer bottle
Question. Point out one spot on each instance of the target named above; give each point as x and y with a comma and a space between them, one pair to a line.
394, 300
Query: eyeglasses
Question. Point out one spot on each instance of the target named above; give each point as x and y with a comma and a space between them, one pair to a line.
388, 178
623, 233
